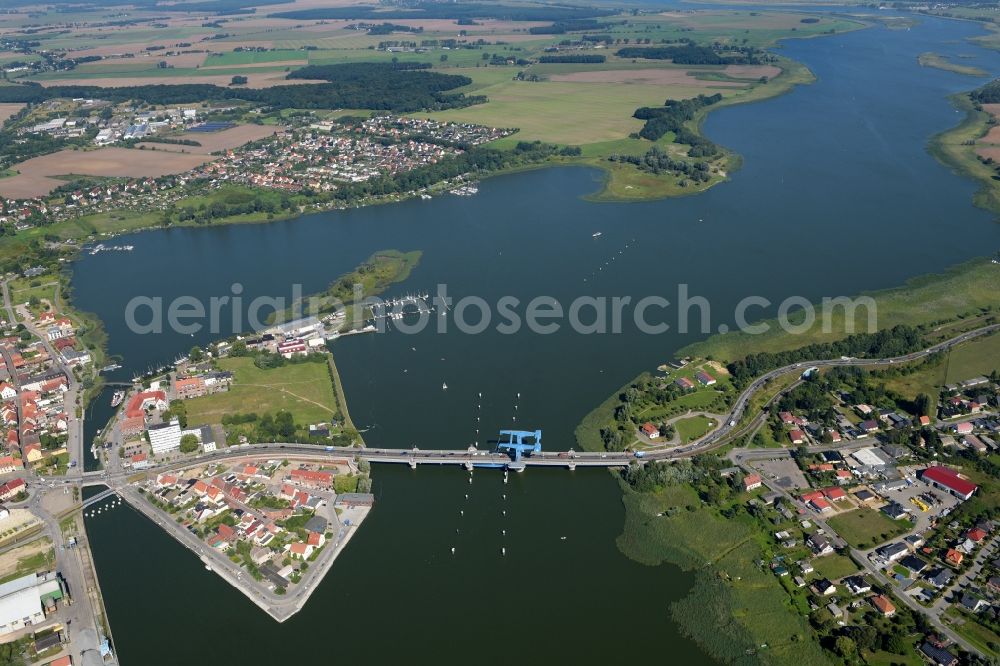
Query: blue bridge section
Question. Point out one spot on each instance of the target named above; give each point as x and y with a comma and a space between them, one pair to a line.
516, 443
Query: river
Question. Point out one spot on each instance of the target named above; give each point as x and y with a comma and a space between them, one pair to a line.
837, 195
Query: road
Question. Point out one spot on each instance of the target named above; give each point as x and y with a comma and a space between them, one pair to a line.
74, 440
478, 458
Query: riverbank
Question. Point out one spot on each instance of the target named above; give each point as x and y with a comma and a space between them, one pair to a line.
626, 183
956, 148
735, 609
961, 293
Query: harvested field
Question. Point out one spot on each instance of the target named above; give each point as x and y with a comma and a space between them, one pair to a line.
486, 25
107, 50
659, 77
993, 136
280, 63
36, 176
992, 152
751, 71
213, 141
7, 110
254, 80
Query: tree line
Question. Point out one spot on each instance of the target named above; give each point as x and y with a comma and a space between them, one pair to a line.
580, 58
672, 116
887, 343
988, 94
693, 54
380, 86
571, 25
428, 9
657, 161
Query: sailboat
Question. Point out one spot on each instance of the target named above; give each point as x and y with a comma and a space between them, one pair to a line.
444, 386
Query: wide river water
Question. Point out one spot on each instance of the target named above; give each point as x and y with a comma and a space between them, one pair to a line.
837, 194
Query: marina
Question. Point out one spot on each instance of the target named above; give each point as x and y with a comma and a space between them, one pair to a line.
101, 247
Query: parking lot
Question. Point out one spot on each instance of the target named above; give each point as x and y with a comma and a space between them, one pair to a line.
939, 503
783, 472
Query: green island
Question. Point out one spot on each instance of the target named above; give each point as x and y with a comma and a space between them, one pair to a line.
371, 278
938, 61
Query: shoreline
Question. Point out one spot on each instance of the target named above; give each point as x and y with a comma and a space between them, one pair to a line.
949, 148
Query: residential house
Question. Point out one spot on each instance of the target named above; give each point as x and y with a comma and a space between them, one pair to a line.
883, 605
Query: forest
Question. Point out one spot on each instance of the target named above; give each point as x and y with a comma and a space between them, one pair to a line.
562, 27
582, 58
672, 116
988, 94
692, 54
424, 9
380, 86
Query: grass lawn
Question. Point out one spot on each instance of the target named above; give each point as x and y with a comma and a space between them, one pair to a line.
40, 556
864, 528
977, 634
22, 292
834, 566
253, 57
882, 658
304, 389
979, 357
694, 427
962, 290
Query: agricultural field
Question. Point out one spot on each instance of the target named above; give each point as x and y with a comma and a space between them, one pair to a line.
304, 389
215, 141
39, 175
7, 110
569, 112
866, 528
228, 59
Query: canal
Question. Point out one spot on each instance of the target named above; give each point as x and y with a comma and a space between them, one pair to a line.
837, 195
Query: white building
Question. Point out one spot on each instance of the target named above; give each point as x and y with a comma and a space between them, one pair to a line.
21, 600
165, 437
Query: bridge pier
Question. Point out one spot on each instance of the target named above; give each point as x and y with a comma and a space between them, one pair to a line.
468, 465
413, 463
572, 466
